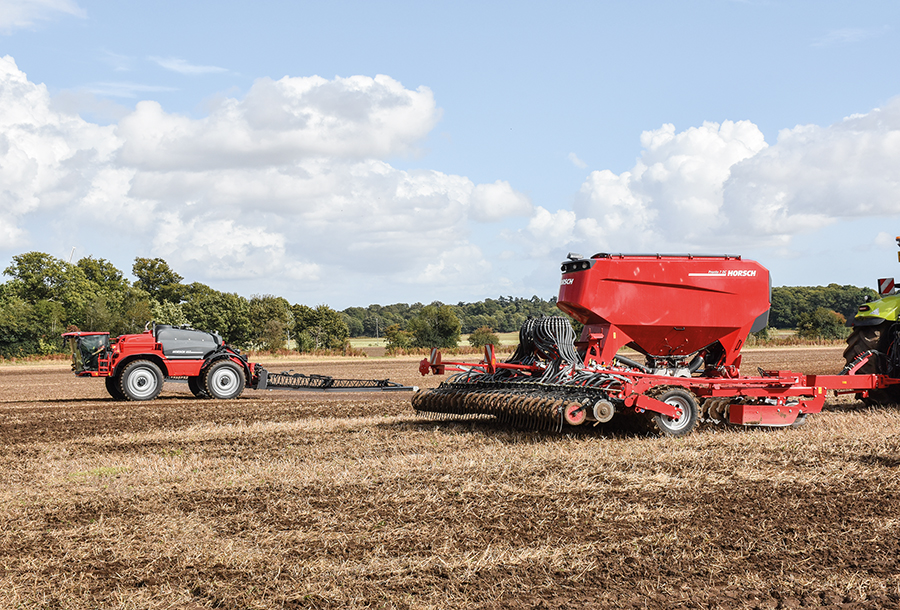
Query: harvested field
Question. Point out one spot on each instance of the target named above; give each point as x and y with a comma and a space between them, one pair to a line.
302, 500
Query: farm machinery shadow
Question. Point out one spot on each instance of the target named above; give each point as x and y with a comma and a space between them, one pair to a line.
508, 431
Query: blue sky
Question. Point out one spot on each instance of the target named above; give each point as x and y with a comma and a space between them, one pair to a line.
358, 152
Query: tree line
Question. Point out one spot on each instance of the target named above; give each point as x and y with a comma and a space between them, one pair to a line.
817, 311
46, 296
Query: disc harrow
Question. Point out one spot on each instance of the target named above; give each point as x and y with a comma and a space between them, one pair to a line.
525, 405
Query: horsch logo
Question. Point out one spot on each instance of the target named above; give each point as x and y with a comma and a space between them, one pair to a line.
726, 273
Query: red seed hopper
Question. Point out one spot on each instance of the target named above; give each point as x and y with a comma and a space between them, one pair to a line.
665, 306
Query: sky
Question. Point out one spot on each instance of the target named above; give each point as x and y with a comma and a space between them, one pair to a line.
351, 153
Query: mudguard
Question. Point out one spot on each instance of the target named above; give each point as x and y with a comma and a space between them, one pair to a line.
874, 313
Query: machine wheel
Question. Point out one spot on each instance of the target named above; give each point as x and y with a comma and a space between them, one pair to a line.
196, 386
865, 338
575, 414
223, 380
671, 426
141, 380
112, 386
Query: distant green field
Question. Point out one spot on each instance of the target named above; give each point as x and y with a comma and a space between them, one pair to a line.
357, 342
511, 338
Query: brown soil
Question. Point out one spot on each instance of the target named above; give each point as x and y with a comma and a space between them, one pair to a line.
299, 500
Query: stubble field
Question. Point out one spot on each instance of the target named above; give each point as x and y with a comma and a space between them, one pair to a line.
301, 500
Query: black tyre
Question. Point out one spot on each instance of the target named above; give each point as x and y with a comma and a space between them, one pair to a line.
196, 386
680, 426
112, 386
878, 338
223, 380
141, 380
865, 338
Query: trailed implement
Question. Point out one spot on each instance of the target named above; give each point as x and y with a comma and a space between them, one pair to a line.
135, 366
686, 316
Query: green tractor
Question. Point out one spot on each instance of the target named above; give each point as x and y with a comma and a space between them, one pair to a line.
875, 340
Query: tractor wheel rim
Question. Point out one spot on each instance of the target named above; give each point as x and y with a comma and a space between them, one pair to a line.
225, 380
142, 382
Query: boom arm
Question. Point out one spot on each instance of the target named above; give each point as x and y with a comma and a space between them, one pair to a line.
288, 380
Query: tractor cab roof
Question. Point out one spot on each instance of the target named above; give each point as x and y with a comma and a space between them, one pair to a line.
81, 333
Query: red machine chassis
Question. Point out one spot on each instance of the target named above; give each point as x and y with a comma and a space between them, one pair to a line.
126, 348
779, 397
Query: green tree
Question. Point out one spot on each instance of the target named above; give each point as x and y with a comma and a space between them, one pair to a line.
397, 338
225, 313
103, 273
17, 333
166, 312
436, 325
822, 323
97, 314
40, 277
354, 325
790, 303
483, 336
133, 310
270, 321
273, 335
355, 317
374, 325
37, 276
319, 328
158, 279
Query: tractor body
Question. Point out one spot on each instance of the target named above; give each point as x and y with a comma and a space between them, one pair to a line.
136, 365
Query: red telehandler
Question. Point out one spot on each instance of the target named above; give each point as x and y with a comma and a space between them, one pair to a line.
687, 316
135, 366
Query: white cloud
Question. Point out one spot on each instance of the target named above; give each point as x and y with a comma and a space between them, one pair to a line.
116, 61
47, 159
18, 14
225, 248
124, 89
293, 182
576, 161
280, 122
86, 104
548, 231
814, 176
492, 202
181, 66
289, 182
459, 266
844, 36
885, 239
674, 192
720, 187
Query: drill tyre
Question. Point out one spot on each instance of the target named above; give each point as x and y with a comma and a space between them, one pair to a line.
196, 386
223, 380
141, 380
670, 426
112, 386
878, 338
